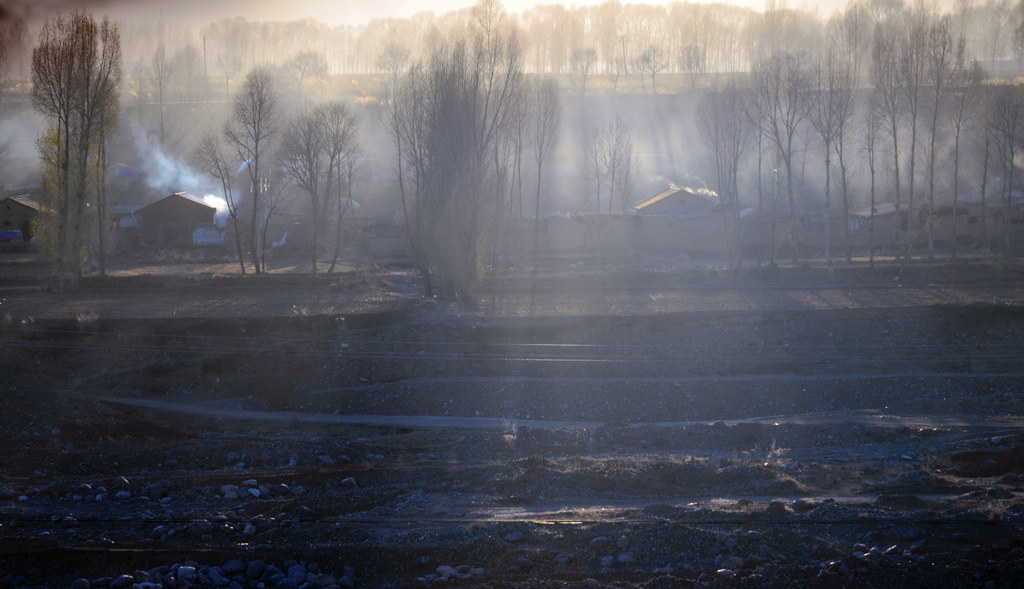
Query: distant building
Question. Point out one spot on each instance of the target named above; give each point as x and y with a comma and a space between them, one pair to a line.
677, 202
16, 214
172, 221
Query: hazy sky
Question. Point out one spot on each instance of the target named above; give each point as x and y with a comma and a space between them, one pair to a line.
332, 12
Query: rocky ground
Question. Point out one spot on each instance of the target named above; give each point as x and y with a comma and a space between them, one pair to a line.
601, 424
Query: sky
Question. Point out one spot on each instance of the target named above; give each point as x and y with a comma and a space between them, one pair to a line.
331, 12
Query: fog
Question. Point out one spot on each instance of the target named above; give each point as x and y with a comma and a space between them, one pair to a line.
653, 65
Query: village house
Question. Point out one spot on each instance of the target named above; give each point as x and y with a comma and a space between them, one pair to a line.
173, 221
17, 213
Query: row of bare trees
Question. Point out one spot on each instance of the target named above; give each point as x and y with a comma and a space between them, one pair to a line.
76, 77
919, 99
460, 120
315, 152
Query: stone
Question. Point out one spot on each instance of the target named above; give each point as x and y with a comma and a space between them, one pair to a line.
625, 558
233, 567
446, 572
600, 543
607, 561
186, 573
122, 581
200, 528
255, 569
349, 483
731, 562
622, 542
297, 573
81, 584
514, 537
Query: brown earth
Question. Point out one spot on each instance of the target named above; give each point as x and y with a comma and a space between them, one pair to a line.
608, 422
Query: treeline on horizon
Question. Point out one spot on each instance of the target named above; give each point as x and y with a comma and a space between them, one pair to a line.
621, 39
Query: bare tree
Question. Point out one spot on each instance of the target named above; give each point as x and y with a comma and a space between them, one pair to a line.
1006, 125
885, 77
652, 62
342, 145
725, 130
451, 112
306, 64
782, 83
545, 113
693, 62
829, 114
872, 119
232, 46
211, 159
611, 161
303, 161
161, 70
912, 68
185, 66
12, 38
583, 61
940, 54
966, 86
253, 125
76, 77
393, 61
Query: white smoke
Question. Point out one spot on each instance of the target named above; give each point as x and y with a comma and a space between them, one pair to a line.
217, 202
163, 171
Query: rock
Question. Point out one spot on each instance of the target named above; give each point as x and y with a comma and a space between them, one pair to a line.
81, 584
776, 509
625, 558
514, 537
255, 493
600, 543
255, 569
803, 505
731, 562
326, 460
121, 483
349, 483
446, 572
123, 495
622, 542
186, 573
564, 558
607, 561
297, 573
249, 530
233, 567
477, 572
122, 581
200, 528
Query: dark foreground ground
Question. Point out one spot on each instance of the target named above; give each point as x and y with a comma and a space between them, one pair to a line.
598, 425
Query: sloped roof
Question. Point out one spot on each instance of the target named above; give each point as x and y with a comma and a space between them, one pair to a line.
179, 195
25, 200
672, 192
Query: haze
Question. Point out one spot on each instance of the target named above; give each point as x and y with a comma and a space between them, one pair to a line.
330, 12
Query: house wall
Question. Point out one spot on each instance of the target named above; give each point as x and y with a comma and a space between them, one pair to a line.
171, 221
17, 216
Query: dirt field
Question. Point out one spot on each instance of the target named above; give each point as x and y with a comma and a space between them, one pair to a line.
606, 422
